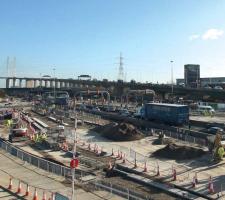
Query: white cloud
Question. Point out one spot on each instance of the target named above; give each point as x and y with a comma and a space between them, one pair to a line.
212, 34
194, 37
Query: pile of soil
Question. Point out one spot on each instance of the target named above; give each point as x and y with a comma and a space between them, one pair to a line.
119, 132
178, 152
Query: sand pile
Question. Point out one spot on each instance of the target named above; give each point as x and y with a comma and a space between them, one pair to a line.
119, 132
178, 152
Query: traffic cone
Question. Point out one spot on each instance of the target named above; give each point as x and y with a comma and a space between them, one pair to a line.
27, 191
196, 178
112, 152
145, 167
124, 158
158, 173
211, 187
52, 197
19, 188
135, 163
44, 196
10, 183
35, 194
174, 175
194, 182
118, 155
121, 155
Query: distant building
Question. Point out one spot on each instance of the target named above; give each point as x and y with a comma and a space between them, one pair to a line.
192, 75
207, 81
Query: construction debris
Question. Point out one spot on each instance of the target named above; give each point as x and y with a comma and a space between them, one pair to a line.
178, 152
119, 132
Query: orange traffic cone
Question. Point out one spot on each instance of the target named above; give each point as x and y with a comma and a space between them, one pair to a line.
19, 188
124, 158
27, 191
44, 196
121, 155
196, 178
174, 175
35, 194
158, 173
194, 182
112, 152
145, 167
10, 183
118, 155
211, 187
52, 197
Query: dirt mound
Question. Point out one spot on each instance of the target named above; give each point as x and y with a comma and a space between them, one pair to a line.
119, 132
178, 152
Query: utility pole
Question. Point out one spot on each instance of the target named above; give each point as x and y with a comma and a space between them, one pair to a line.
74, 156
171, 76
121, 69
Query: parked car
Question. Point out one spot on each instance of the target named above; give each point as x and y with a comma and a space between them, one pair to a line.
214, 130
124, 112
218, 87
96, 109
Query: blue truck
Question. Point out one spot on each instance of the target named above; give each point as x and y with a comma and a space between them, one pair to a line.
173, 114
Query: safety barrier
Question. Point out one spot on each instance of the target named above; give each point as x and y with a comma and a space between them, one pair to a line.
41, 163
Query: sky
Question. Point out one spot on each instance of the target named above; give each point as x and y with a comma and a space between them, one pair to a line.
86, 37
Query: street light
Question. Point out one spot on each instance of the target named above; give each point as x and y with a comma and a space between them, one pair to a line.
74, 156
171, 75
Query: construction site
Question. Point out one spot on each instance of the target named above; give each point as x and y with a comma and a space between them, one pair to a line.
102, 156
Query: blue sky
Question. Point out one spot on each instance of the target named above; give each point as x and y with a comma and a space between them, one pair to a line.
86, 37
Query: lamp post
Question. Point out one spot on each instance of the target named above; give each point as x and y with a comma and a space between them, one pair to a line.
74, 156
171, 76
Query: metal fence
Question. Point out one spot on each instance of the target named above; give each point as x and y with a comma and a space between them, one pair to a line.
66, 172
185, 137
40, 162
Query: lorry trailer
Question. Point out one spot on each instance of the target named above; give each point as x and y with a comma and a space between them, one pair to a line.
173, 114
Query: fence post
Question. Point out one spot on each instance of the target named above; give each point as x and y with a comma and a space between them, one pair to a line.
47, 166
111, 188
128, 194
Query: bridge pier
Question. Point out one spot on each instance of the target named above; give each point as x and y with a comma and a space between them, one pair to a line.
14, 82
7, 83
20, 83
35, 83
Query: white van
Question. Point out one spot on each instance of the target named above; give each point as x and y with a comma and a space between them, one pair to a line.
206, 109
